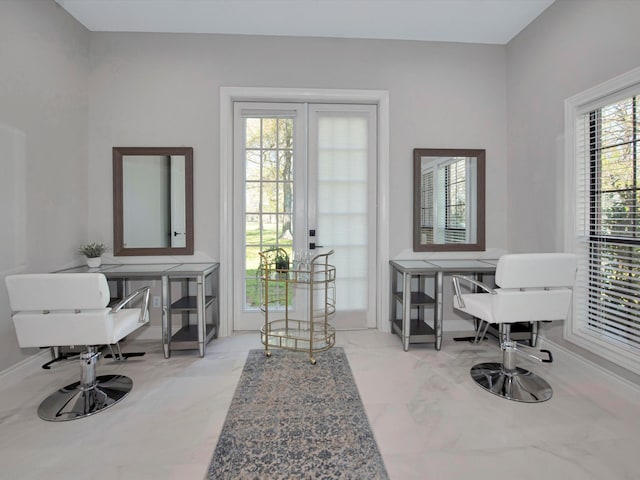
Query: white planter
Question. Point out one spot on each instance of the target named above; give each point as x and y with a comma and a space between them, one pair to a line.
94, 262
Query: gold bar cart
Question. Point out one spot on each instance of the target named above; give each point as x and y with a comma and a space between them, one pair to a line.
280, 285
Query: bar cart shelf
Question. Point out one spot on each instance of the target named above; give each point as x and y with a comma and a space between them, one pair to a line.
282, 288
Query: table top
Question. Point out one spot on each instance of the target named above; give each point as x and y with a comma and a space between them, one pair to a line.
146, 269
445, 265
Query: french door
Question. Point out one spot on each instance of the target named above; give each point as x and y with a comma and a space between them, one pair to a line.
305, 174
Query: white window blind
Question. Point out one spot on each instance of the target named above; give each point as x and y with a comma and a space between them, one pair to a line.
426, 208
607, 225
449, 201
455, 210
342, 211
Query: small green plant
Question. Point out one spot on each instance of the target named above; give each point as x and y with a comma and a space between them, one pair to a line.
273, 258
282, 260
92, 250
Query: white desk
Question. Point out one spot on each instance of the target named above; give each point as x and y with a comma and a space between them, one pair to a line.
408, 269
189, 336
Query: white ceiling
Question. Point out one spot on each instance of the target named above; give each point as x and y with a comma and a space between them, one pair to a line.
469, 21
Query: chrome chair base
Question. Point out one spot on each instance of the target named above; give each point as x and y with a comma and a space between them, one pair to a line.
73, 402
519, 384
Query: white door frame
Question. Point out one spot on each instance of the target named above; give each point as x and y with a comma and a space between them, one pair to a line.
229, 95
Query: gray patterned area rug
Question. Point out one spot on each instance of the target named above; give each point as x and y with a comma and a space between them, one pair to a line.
292, 420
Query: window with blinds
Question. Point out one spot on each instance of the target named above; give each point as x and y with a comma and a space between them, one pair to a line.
608, 223
426, 207
443, 208
455, 203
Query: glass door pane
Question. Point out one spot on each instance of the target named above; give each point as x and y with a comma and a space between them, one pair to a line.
342, 179
281, 193
269, 194
266, 151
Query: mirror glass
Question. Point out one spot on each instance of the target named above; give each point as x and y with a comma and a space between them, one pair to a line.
448, 204
153, 201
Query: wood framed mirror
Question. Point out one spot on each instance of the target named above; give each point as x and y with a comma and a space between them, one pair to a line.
448, 199
152, 201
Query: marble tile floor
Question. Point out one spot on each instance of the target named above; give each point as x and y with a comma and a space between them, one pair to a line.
429, 419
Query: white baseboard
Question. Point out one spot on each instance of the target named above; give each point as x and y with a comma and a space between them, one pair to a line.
614, 376
16, 372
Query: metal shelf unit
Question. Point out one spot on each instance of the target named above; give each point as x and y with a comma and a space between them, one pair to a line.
199, 297
278, 286
204, 305
419, 330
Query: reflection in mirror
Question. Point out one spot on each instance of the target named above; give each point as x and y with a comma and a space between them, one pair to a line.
448, 208
153, 201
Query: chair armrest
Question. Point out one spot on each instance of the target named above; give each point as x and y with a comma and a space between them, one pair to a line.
144, 291
458, 292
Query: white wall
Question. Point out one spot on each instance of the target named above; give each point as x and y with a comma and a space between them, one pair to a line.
44, 61
163, 89
572, 46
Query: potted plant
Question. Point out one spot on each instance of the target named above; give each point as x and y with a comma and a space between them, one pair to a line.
274, 260
93, 251
281, 260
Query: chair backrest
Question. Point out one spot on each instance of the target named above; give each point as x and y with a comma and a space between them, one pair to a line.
536, 270
56, 309
57, 291
533, 287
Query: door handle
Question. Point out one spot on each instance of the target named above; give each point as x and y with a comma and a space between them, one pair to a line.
312, 245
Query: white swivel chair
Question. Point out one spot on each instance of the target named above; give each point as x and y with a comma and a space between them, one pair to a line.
60, 309
532, 287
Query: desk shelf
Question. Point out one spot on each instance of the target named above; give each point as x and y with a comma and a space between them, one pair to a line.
192, 335
187, 337
418, 330
403, 305
190, 303
418, 299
